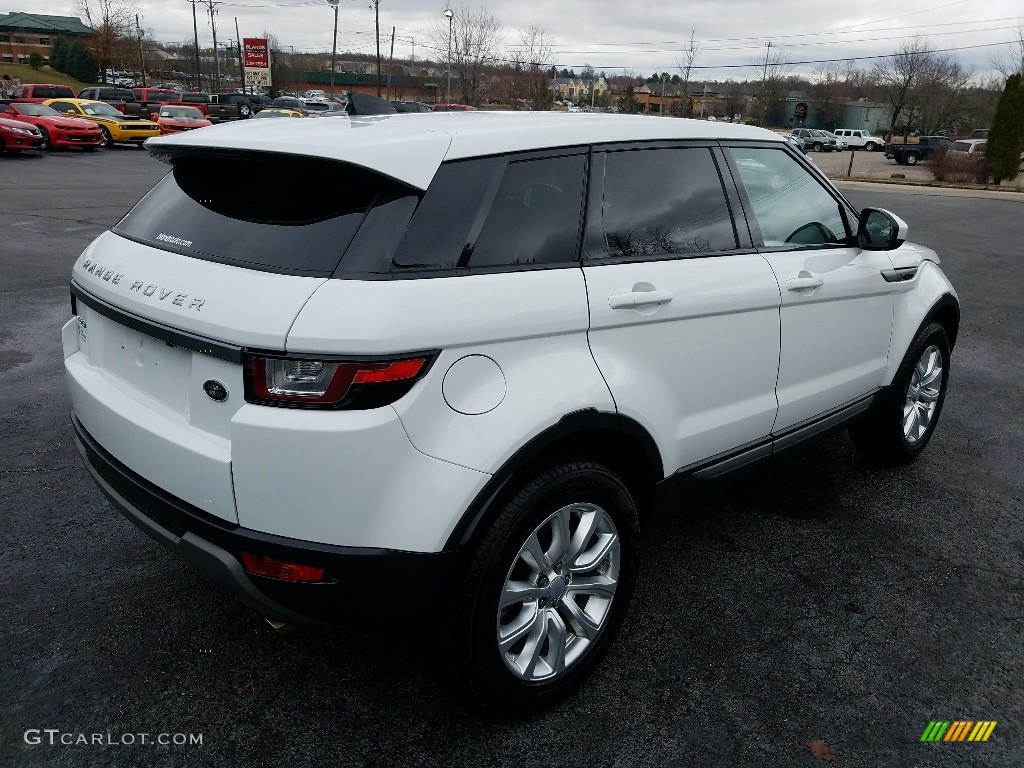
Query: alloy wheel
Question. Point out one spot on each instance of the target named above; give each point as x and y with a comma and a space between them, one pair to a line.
558, 593
922, 395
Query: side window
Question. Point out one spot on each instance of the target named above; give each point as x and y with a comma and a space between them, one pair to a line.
439, 232
664, 202
63, 106
19, 92
791, 208
535, 216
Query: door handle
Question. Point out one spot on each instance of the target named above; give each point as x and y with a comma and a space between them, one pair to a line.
802, 283
634, 299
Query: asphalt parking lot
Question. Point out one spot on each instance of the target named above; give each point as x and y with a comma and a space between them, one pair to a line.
823, 600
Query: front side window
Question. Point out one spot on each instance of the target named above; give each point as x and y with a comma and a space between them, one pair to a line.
791, 208
65, 107
663, 202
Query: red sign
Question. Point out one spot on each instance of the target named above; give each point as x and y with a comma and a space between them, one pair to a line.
257, 55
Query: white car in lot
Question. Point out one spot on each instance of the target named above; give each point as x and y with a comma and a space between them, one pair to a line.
460, 384
859, 139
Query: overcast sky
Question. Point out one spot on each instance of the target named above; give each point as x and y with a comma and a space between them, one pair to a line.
642, 37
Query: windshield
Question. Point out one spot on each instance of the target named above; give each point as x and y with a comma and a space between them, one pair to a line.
100, 108
182, 113
36, 110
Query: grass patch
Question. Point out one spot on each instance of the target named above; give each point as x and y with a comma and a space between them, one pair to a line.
26, 74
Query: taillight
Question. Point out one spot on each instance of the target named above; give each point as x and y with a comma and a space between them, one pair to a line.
294, 382
270, 567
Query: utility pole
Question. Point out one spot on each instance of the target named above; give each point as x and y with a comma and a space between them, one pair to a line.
142, 59
764, 81
376, 24
195, 29
211, 6
661, 107
391, 61
334, 44
241, 58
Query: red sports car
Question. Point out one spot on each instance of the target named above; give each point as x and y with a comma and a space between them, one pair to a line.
177, 119
16, 136
57, 130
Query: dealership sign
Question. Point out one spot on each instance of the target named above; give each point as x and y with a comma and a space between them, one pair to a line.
256, 56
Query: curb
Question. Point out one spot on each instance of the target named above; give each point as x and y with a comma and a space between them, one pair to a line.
917, 189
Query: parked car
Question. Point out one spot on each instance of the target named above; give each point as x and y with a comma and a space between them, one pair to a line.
290, 102
973, 149
40, 92
175, 119
151, 99
797, 143
16, 136
814, 139
411, 106
56, 130
114, 126
912, 154
198, 100
452, 108
460, 385
859, 139
840, 142
122, 99
280, 112
979, 133
234, 106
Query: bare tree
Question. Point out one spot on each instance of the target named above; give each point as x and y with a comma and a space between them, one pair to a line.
113, 21
1012, 61
828, 90
942, 95
773, 71
897, 75
475, 40
537, 51
685, 66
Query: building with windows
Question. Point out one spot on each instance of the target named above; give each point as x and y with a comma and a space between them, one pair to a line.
22, 33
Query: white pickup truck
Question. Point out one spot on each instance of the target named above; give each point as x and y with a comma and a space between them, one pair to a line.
857, 139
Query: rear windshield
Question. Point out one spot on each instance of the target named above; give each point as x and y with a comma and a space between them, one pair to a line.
275, 213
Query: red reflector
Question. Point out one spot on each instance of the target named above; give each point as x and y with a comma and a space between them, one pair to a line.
258, 565
396, 371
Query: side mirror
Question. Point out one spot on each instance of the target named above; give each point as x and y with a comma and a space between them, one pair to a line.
880, 230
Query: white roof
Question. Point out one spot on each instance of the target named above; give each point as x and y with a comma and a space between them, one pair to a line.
410, 147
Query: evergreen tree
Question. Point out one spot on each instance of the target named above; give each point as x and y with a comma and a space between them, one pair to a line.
628, 105
35, 60
59, 55
1006, 139
80, 64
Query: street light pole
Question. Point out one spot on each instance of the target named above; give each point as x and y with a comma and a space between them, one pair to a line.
334, 45
450, 15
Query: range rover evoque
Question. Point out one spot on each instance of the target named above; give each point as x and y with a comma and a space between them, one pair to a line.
458, 379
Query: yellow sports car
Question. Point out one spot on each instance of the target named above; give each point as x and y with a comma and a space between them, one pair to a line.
278, 112
114, 126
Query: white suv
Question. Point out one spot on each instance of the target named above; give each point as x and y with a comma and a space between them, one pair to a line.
457, 379
860, 139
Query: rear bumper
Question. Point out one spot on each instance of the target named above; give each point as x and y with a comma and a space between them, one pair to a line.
359, 579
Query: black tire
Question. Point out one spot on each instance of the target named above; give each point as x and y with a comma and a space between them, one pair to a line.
881, 435
244, 111
817, 146
107, 140
46, 144
912, 159
870, 146
476, 664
